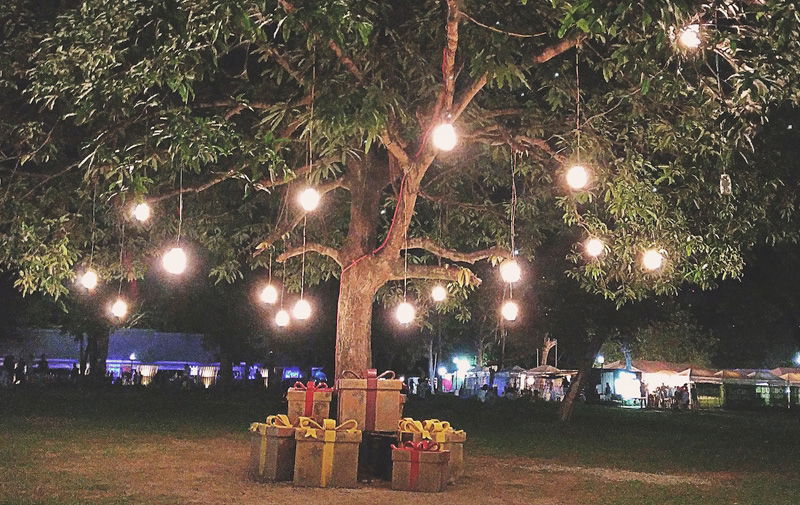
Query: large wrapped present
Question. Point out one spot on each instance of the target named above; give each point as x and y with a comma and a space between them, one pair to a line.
272, 449
375, 456
449, 439
373, 400
309, 400
327, 454
419, 466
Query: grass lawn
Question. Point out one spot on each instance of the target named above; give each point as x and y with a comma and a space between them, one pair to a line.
131, 446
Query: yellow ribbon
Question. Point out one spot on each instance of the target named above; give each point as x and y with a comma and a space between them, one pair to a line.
279, 421
329, 429
440, 429
261, 429
408, 424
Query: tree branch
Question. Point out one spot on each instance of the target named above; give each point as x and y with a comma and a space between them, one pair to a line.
452, 255
289, 225
469, 95
550, 52
310, 247
195, 189
267, 183
432, 272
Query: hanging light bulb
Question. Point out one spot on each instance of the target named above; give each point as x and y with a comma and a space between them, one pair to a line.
439, 293
405, 313
119, 308
594, 247
282, 318
89, 280
141, 212
309, 199
577, 177
652, 259
174, 261
510, 310
444, 137
269, 294
510, 271
689, 37
301, 310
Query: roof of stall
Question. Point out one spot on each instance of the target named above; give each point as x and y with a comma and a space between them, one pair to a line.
544, 370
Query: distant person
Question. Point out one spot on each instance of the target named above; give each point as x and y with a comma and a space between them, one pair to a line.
43, 366
607, 391
8, 368
20, 372
258, 379
75, 373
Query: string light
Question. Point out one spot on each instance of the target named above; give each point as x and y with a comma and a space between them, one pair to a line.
89, 280
594, 247
577, 177
301, 310
141, 212
309, 199
439, 293
174, 261
405, 313
689, 37
282, 318
510, 271
119, 308
444, 137
510, 310
269, 294
652, 259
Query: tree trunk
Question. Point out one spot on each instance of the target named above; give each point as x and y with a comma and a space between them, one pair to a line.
357, 289
567, 406
431, 365
82, 356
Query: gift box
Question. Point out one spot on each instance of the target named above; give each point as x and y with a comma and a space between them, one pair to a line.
375, 456
419, 466
327, 454
272, 449
451, 440
309, 400
373, 400
411, 430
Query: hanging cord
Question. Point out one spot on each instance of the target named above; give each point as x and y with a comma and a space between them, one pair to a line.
309, 161
283, 277
513, 212
578, 104
269, 281
180, 203
303, 261
121, 251
94, 223
405, 254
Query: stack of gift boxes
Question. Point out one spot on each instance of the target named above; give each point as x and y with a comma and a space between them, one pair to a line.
371, 437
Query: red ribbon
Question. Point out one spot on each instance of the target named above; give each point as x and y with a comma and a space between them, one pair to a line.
310, 389
372, 393
415, 448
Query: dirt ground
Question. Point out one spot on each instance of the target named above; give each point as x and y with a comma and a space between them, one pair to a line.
163, 470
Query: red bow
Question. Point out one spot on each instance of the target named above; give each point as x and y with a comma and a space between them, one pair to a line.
310, 389
415, 448
372, 377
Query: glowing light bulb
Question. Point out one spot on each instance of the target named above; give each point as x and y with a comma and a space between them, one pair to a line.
269, 294
309, 199
89, 280
444, 137
119, 308
577, 177
282, 318
510, 310
652, 259
594, 247
174, 261
510, 271
439, 293
690, 37
405, 313
301, 310
141, 212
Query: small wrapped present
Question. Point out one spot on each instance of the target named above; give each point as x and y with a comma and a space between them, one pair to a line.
419, 466
373, 400
272, 448
451, 440
327, 454
309, 400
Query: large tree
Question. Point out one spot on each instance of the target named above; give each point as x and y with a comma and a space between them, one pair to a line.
239, 105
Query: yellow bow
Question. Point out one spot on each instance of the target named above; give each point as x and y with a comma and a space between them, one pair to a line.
408, 424
259, 428
440, 429
279, 421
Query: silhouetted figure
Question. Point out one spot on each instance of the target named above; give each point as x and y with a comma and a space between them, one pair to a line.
74, 373
43, 366
20, 372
